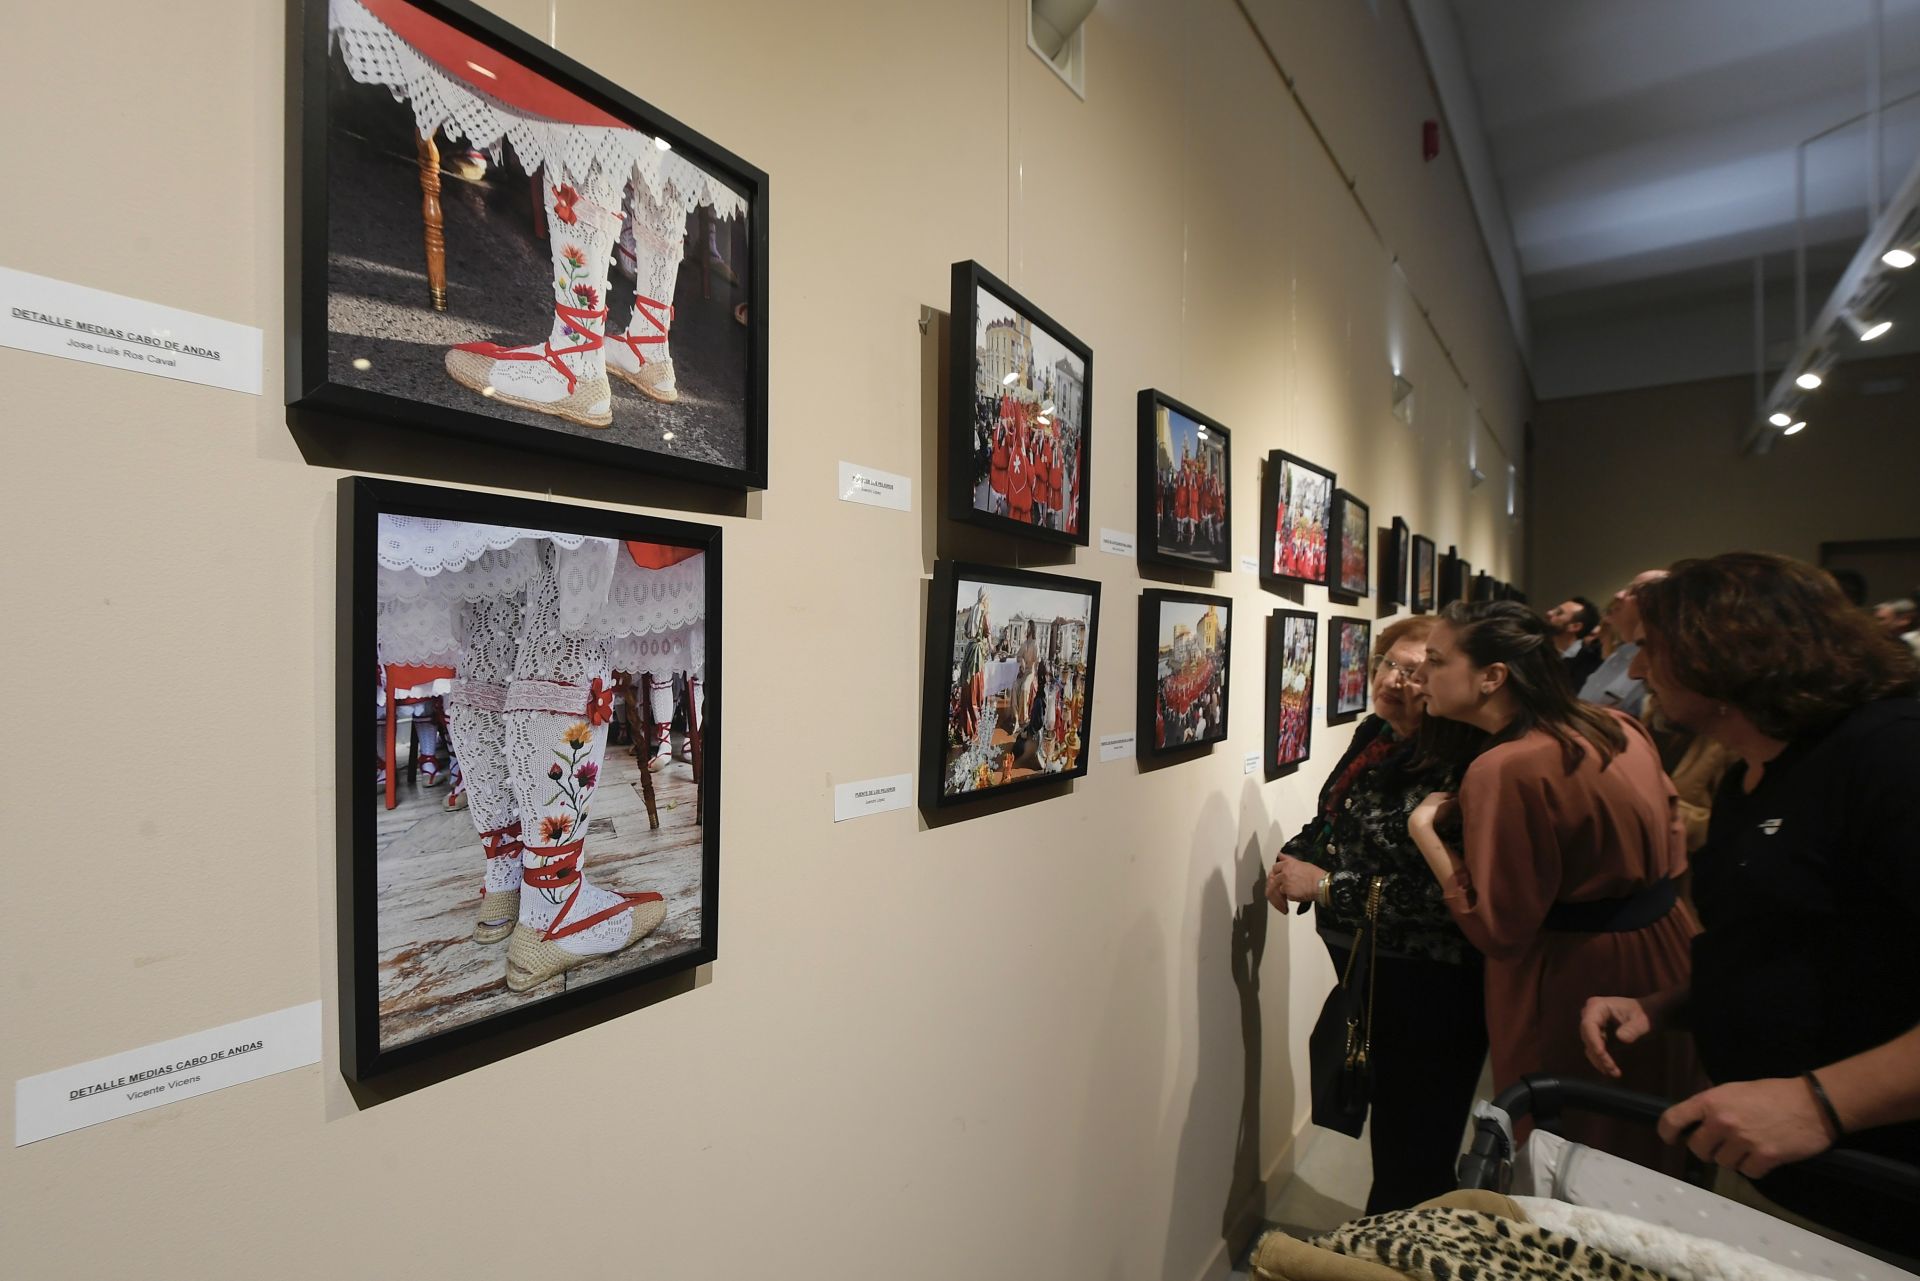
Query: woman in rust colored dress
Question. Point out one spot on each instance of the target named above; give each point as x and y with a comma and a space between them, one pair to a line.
1564, 868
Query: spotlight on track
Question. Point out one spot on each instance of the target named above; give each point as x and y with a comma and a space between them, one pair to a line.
1867, 331
1899, 259
1781, 419
1796, 429
1808, 381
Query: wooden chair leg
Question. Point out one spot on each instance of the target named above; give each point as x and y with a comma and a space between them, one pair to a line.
393, 783
696, 749
539, 198
430, 214
646, 775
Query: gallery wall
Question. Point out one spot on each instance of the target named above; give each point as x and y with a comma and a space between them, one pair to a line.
1059, 1038
1635, 480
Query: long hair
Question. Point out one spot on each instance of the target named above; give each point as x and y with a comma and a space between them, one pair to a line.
1502, 631
1775, 638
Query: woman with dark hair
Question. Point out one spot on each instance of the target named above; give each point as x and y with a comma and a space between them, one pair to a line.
1428, 1029
1569, 850
1804, 1000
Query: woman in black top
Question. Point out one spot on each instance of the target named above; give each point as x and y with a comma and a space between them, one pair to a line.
1429, 1029
1805, 997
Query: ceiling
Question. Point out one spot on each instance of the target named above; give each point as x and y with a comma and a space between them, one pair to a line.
1644, 156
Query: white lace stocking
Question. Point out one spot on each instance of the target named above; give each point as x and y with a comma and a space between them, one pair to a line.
659, 243
490, 631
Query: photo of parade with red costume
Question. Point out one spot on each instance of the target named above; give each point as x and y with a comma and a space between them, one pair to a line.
1185, 658
1185, 486
1348, 644
1009, 697
1291, 637
1352, 539
1296, 506
1022, 396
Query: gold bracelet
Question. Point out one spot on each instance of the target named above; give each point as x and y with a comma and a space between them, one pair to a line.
1323, 892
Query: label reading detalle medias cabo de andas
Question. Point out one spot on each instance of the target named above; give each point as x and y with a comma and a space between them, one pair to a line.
184, 1065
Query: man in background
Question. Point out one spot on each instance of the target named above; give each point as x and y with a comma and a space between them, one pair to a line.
1573, 621
1612, 683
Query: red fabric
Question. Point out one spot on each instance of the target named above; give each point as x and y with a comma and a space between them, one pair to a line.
999, 475
561, 870
459, 54
659, 555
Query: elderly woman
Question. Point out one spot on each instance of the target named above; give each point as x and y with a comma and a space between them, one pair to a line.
1429, 1037
1804, 1001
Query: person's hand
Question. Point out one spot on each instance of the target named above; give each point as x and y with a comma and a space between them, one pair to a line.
1292, 881
1624, 1016
1753, 1127
1430, 811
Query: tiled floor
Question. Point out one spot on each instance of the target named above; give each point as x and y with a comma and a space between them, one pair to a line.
433, 976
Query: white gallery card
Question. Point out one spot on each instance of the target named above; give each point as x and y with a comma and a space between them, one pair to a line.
1113, 540
872, 796
1251, 763
1116, 747
874, 487
72, 1098
55, 318
1249, 565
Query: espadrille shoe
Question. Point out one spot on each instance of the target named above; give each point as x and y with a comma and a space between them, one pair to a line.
500, 895
536, 953
639, 357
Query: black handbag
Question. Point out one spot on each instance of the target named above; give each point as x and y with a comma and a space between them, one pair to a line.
1339, 1053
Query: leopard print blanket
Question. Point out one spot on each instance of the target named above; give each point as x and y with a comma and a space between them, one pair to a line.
1440, 1245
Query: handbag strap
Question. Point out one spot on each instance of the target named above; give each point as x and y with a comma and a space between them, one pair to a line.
1373, 959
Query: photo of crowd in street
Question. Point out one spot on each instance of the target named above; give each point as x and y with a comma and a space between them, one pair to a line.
524, 261
1297, 510
1353, 536
1290, 653
1022, 387
1185, 486
1009, 680
1184, 661
1348, 640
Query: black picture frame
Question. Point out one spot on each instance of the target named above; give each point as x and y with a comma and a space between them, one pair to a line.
1154, 500
944, 671
1422, 586
1396, 564
1288, 732
1341, 667
1448, 578
1278, 471
1155, 716
359, 799
317, 380
1352, 531
1484, 587
970, 441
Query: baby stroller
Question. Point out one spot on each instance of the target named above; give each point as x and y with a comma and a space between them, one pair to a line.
1577, 1211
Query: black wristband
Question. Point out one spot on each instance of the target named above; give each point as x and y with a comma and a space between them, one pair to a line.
1826, 1104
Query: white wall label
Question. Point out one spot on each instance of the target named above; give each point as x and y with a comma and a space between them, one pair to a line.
1112, 540
86, 1094
54, 318
874, 487
1249, 564
1251, 763
872, 796
1116, 747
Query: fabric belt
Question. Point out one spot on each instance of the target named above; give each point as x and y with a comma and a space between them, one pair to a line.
1614, 915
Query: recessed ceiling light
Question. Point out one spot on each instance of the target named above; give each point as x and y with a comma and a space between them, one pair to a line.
1808, 380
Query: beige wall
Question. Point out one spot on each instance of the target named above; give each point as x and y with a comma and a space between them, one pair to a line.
1639, 479
1008, 1047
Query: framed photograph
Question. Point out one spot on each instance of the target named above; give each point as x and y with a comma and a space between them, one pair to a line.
490, 241
1484, 588
1009, 681
1424, 575
1022, 398
1291, 636
1351, 571
1452, 578
1349, 645
1186, 486
1185, 641
529, 761
1397, 563
1296, 515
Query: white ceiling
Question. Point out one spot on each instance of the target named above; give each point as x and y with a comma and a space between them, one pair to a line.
1644, 152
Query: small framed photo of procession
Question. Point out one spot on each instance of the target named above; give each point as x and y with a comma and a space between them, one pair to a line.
1350, 570
1018, 455
1185, 647
528, 764
1291, 637
1185, 486
1349, 644
1296, 518
1424, 575
490, 241
1008, 702
1396, 564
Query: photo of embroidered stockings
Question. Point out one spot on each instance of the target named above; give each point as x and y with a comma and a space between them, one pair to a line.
497, 244
573, 861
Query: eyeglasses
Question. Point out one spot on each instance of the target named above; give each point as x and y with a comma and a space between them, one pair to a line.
1410, 675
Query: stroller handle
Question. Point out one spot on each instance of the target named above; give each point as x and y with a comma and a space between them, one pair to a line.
1488, 1163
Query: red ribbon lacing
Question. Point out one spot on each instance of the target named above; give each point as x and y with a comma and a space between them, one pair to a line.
656, 313
575, 318
502, 842
561, 869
